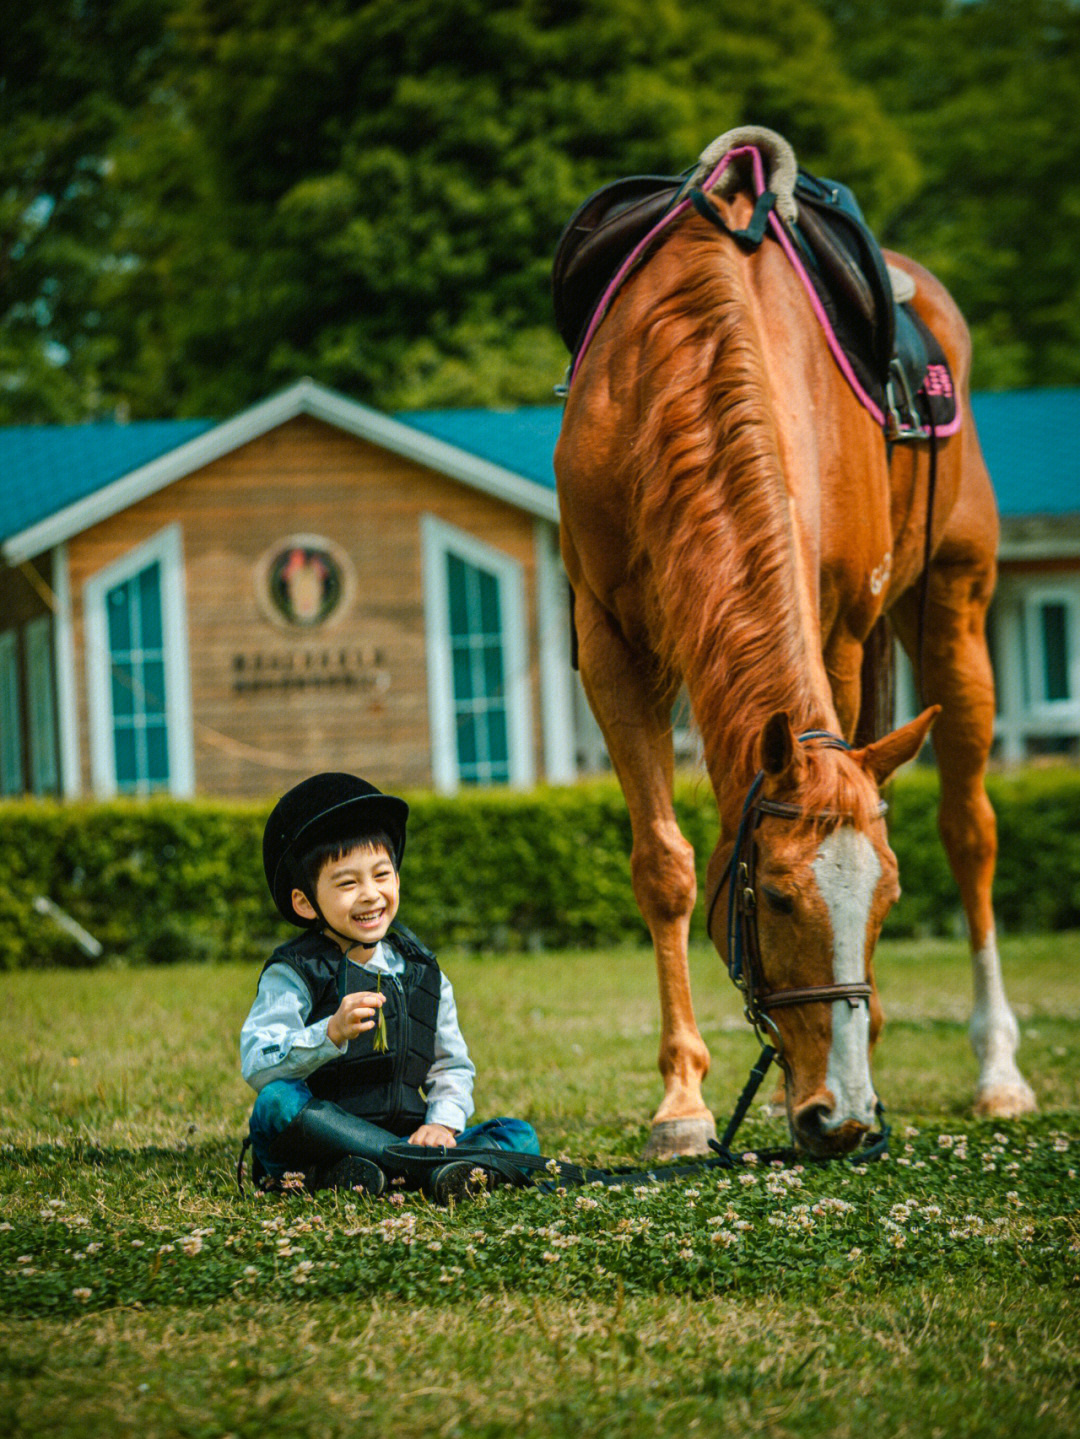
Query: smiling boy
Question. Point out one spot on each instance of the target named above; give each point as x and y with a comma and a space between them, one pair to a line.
353, 1041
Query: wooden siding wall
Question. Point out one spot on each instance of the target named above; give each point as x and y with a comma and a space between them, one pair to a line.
305, 478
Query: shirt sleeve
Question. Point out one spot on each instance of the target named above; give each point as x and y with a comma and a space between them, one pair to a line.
449, 1084
276, 1042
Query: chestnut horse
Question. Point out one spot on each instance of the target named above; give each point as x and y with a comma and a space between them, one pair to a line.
730, 522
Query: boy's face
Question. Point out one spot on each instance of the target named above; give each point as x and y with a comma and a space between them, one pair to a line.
357, 895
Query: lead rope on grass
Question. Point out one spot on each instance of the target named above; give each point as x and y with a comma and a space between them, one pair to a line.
549, 1175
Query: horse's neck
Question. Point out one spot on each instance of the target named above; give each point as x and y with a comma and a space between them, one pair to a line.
772, 663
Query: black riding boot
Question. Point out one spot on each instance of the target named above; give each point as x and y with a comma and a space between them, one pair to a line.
334, 1148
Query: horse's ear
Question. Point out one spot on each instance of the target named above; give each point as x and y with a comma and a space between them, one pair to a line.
779, 745
882, 758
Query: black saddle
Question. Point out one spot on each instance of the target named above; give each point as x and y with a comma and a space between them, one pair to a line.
888, 345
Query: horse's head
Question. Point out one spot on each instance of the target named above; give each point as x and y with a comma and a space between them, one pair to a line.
809, 881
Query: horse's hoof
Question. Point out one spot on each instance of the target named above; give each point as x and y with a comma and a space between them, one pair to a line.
1006, 1101
670, 1138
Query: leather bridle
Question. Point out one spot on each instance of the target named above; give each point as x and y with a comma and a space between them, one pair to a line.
744, 949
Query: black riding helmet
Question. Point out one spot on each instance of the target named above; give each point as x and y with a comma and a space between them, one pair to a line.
320, 810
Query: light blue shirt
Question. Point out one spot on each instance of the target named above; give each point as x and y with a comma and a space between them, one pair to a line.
277, 1042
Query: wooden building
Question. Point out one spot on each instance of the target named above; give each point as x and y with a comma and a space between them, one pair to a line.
203, 608
310, 585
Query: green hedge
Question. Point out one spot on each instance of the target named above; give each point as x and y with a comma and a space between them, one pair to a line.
163, 880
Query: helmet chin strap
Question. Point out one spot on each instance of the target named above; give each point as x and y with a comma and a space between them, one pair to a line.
329, 929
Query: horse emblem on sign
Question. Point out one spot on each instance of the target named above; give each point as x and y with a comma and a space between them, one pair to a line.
302, 581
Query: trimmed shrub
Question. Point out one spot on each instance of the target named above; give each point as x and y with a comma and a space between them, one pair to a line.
163, 880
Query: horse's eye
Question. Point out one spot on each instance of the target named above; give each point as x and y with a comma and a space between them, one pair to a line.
780, 903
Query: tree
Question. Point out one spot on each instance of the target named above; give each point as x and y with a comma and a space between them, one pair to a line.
67, 74
371, 193
987, 93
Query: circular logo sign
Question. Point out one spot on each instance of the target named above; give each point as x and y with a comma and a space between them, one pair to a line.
302, 581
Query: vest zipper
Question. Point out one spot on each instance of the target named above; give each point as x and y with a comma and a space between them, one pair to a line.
401, 1054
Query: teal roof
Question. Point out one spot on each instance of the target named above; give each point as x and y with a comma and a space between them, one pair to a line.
1031, 442
45, 468
522, 441
1030, 438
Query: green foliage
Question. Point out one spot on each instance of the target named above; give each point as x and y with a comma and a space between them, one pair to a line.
200, 201
371, 193
987, 92
167, 880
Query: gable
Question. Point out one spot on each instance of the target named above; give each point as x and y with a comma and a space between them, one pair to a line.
49, 510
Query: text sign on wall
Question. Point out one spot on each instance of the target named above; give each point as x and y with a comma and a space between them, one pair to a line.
359, 668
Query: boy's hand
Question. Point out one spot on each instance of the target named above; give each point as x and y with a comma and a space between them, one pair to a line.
354, 1014
429, 1134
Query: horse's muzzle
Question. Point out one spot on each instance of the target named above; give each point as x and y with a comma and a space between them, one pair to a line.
815, 1129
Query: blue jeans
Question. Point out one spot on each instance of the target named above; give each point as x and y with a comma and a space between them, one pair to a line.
280, 1101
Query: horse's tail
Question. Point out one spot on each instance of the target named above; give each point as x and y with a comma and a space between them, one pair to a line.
877, 685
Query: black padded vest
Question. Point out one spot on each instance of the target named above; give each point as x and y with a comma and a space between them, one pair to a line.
383, 1088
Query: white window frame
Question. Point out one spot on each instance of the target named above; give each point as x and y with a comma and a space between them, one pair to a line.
11, 729
556, 673
1033, 598
438, 539
41, 707
64, 659
166, 547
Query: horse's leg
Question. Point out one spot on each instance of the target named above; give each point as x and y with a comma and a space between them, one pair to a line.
634, 714
956, 674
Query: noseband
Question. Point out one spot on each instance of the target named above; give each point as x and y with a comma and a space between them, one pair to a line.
744, 949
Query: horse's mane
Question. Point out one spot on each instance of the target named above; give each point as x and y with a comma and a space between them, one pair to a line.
713, 518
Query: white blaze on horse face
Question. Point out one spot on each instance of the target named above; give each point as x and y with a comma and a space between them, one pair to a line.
847, 870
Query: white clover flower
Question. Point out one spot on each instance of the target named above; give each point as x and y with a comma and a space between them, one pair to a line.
250, 1273
82, 1295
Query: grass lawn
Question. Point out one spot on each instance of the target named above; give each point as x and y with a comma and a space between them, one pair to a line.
935, 1293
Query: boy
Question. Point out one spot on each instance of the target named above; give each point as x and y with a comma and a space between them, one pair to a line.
353, 1042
